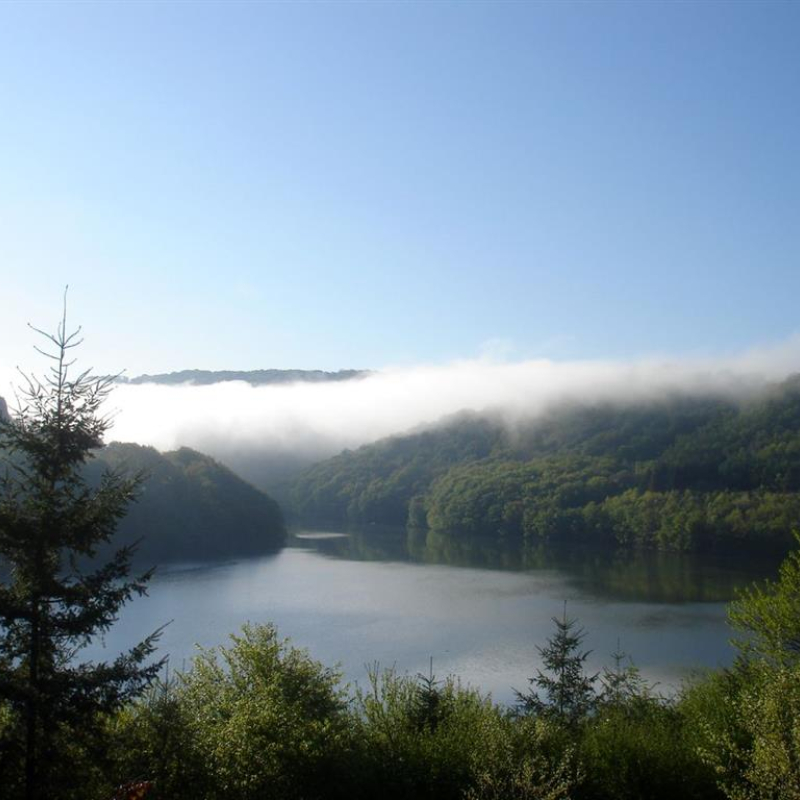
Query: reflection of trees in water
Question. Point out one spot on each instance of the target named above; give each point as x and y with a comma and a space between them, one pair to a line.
619, 574
364, 543
653, 576
479, 552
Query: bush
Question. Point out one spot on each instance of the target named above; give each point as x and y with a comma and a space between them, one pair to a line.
755, 746
253, 721
426, 739
642, 748
155, 739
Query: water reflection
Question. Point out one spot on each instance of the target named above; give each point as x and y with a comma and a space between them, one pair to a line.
479, 608
619, 575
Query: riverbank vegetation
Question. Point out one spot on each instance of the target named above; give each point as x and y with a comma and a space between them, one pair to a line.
683, 473
66, 569
261, 719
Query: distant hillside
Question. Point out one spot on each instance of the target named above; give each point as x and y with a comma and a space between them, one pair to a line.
683, 473
258, 377
190, 507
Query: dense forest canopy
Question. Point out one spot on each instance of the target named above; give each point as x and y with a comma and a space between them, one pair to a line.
685, 472
191, 507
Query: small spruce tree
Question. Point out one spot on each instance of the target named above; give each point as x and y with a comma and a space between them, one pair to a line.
623, 683
53, 598
568, 691
428, 706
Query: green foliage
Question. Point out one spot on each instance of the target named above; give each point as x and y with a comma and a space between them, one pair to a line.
569, 693
191, 507
376, 483
268, 721
622, 684
531, 760
682, 474
414, 746
769, 711
751, 731
769, 616
642, 747
262, 720
429, 708
691, 520
51, 521
155, 738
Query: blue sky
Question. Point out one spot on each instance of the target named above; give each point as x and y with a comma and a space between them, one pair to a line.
334, 185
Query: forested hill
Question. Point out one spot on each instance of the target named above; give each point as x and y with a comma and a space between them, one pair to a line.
257, 377
685, 473
190, 507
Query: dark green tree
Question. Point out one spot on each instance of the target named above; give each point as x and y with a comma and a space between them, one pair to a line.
53, 598
428, 708
568, 691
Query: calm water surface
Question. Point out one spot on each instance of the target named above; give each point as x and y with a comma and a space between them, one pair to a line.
478, 609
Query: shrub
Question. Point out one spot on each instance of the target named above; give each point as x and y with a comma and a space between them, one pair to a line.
421, 738
755, 745
642, 748
257, 720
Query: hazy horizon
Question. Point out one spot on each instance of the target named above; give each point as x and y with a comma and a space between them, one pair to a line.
309, 421
492, 204
562, 238
354, 185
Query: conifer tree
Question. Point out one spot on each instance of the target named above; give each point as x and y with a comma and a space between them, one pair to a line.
53, 598
622, 684
568, 691
428, 707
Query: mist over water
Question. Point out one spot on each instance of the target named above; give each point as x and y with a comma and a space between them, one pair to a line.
296, 424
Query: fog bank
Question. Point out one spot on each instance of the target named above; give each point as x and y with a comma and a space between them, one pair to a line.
247, 426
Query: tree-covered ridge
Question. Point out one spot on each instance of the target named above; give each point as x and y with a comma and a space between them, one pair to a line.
376, 482
255, 377
191, 507
682, 473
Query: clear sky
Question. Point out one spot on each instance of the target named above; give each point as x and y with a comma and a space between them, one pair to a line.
334, 185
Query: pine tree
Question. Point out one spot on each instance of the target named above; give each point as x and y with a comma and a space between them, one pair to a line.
53, 598
428, 702
568, 691
623, 683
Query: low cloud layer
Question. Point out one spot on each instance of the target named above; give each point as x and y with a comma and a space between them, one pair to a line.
306, 421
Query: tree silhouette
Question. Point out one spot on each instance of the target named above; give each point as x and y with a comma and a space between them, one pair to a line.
53, 599
568, 691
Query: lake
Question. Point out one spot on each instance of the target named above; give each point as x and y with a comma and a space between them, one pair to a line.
477, 608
